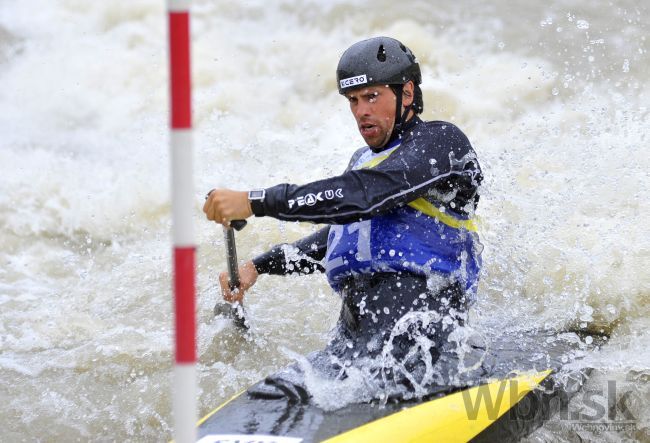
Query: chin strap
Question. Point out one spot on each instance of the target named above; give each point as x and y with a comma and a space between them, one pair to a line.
400, 117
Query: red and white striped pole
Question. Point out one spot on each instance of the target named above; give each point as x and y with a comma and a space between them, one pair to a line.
184, 390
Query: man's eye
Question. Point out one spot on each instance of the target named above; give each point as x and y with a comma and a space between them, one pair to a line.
373, 97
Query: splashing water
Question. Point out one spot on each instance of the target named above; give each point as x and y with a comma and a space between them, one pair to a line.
559, 121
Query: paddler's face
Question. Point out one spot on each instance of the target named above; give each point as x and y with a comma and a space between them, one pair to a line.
374, 110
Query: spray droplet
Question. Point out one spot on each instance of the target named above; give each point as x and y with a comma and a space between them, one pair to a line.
582, 24
547, 21
555, 91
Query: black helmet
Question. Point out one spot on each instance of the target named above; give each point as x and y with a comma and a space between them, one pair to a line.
382, 61
377, 61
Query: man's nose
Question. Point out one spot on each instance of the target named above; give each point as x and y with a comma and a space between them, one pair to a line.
362, 109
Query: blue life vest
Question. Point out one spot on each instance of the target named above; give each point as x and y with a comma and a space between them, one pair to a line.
417, 238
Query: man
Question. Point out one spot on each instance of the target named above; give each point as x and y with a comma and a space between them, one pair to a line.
400, 237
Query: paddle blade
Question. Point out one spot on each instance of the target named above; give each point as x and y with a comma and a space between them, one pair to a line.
234, 311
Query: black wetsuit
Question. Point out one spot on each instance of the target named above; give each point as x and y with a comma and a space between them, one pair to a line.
423, 166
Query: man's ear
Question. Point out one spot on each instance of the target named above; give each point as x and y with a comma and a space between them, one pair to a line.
408, 93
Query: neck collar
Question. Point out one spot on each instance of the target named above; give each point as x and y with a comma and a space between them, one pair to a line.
396, 136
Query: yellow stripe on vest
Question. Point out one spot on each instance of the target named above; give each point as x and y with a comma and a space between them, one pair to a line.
457, 417
423, 205
375, 161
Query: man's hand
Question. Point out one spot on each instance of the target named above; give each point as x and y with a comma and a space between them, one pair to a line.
247, 278
224, 205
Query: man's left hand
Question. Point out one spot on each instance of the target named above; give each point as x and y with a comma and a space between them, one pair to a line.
224, 205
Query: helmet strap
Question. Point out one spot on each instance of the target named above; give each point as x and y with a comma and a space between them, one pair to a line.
400, 116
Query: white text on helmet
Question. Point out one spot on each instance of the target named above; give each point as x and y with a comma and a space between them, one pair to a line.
353, 81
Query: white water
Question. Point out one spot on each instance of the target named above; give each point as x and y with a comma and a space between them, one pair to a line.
553, 96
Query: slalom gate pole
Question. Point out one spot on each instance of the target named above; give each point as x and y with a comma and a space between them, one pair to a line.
184, 384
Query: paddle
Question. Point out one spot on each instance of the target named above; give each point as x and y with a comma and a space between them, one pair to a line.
233, 310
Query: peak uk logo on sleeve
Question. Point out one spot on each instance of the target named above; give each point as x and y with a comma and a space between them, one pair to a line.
311, 199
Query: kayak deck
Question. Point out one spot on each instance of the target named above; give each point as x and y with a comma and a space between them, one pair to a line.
515, 385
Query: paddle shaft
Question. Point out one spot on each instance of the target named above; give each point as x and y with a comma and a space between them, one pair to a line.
231, 252
231, 257
234, 310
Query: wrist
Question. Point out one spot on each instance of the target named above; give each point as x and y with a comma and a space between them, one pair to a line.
250, 266
248, 205
256, 201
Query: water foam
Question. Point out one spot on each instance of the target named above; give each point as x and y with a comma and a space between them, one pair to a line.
557, 111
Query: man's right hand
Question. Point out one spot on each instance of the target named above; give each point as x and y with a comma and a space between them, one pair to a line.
247, 278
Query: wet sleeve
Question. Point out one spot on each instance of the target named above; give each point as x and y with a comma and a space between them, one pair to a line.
431, 156
301, 257
308, 251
